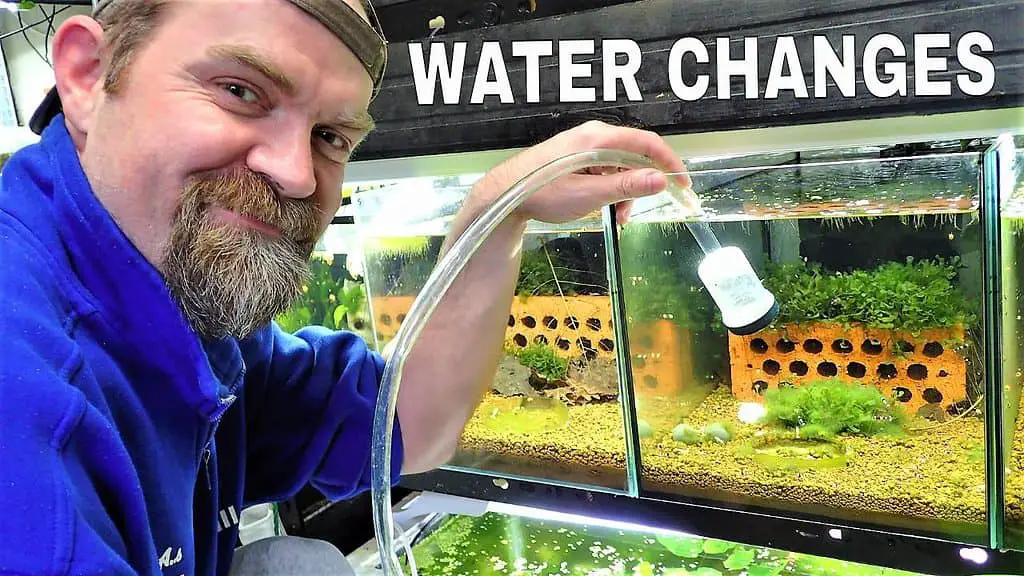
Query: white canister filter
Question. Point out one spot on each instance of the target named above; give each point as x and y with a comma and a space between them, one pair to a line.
737, 291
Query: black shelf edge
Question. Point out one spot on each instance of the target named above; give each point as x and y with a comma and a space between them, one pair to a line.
876, 547
406, 128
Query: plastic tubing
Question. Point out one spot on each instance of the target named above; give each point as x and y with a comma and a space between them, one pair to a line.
438, 283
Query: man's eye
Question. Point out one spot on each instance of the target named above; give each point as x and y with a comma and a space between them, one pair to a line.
332, 139
242, 93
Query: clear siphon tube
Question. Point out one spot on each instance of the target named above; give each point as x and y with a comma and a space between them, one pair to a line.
438, 283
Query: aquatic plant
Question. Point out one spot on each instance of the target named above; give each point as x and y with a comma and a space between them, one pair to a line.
903, 296
825, 408
543, 361
327, 299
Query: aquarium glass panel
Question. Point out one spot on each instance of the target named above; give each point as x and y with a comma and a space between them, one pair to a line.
511, 545
334, 295
862, 402
1012, 275
552, 411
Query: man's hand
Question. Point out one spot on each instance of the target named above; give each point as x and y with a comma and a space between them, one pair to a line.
574, 196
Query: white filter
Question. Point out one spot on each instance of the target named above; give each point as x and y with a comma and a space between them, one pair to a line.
737, 291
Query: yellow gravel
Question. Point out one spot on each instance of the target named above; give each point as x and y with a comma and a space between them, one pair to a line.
936, 474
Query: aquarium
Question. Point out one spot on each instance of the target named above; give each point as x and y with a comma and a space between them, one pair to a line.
1011, 225
863, 404
553, 409
499, 544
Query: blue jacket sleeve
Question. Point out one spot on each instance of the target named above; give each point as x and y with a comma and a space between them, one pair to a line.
309, 402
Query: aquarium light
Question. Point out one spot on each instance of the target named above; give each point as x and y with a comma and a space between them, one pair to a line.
976, 555
835, 533
578, 519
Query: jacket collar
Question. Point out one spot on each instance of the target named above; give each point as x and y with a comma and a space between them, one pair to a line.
127, 290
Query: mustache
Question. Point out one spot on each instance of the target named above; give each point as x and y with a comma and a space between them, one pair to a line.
255, 196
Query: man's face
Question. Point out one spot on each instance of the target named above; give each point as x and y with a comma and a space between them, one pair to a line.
223, 154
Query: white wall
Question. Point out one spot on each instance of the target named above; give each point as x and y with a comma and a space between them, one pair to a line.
31, 77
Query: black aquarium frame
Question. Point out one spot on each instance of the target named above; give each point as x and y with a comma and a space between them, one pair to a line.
407, 129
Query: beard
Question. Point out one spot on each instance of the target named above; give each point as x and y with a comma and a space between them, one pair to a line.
229, 279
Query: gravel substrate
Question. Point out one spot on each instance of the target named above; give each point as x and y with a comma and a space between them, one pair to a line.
937, 475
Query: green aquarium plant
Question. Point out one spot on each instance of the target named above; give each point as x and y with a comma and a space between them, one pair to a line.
824, 409
327, 299
543, 361
911, 295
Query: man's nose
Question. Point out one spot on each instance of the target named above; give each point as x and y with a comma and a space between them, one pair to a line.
287, 159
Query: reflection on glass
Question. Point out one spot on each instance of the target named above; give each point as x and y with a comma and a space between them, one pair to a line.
863, 401
553, 410
1012, 227
497, 544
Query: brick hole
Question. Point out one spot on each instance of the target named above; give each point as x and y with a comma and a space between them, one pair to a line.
902, 394
905, 347
359, 324
856, 370
606, 345
759, 387
594, 324
750, 366
842, 346
400, 318
943, 374
650, 381
385, 319
933, 350
872, 347
563, 343
511, 320
785, 346
587, 346
529, 322
758, 345
886, 371
639, 362
550, 322
520, 340
540, 339
812, 346
771, 367
917, 371
571, 323
932, 396
827, 369
798, 367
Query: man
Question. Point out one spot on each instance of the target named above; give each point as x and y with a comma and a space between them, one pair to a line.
149, 239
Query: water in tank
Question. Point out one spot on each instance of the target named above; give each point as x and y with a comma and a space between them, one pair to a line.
863, 401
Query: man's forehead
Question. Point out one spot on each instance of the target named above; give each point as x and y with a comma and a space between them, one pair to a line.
344, 21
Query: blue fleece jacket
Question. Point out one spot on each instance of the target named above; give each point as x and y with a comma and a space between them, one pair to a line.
127, 444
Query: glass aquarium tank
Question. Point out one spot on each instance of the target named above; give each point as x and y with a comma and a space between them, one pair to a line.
863, 403
553, 410
1011, 225
500, 544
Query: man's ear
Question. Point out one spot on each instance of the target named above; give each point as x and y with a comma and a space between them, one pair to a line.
79, 69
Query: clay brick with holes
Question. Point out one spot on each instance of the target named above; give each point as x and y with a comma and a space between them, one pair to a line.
573, 326
661, 358
914, 369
